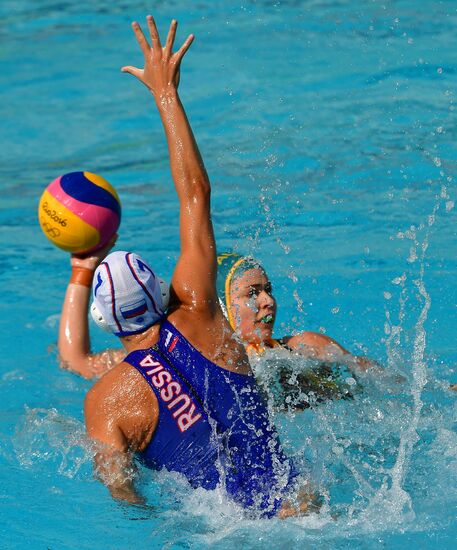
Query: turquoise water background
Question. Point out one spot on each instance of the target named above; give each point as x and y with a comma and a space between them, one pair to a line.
328, 129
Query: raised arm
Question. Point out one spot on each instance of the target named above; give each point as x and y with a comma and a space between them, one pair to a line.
74, 340
193, 282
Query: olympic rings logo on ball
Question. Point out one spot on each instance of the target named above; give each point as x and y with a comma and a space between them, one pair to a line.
50, 230
53, 215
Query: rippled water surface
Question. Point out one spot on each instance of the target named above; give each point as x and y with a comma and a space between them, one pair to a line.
328, 129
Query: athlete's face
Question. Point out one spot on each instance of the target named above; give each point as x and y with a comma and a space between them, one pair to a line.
253, 306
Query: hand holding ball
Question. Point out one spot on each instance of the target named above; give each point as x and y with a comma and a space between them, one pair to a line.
79, 212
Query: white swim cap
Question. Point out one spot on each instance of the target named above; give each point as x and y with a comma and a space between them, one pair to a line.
128, 297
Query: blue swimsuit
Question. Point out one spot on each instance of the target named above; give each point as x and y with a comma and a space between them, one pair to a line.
213, 425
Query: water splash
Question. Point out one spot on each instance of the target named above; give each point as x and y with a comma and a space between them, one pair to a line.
392, 496
395, 497
45, 435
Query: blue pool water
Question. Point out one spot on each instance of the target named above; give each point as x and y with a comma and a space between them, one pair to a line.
328, 128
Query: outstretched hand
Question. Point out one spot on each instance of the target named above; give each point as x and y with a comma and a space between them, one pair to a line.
161, 65
93, 260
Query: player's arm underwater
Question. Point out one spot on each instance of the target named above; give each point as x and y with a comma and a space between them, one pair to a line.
324, 349
74, 340
318, 370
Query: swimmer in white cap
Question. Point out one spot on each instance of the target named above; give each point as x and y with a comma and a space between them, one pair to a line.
184, 399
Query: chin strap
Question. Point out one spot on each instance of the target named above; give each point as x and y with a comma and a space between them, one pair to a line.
262, 346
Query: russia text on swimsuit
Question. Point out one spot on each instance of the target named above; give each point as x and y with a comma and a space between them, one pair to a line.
184, 414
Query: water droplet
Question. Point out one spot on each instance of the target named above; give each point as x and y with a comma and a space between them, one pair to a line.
399, 280
292, 276
412, 255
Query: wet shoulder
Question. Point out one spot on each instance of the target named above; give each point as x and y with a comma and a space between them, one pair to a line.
214, 339
122, 399
119, 388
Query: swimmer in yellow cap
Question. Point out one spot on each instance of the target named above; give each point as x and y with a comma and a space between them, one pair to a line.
246, 296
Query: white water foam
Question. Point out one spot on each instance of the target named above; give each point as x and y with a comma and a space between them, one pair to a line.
44, 435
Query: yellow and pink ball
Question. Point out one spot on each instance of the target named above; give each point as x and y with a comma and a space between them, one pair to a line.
79, 212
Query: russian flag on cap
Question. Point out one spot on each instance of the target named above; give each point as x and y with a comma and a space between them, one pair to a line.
133, 310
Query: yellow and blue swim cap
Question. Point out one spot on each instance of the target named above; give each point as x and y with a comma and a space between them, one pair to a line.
230, 266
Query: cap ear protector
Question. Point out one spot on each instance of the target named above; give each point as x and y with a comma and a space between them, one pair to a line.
98, 318
165, 293
100, 321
